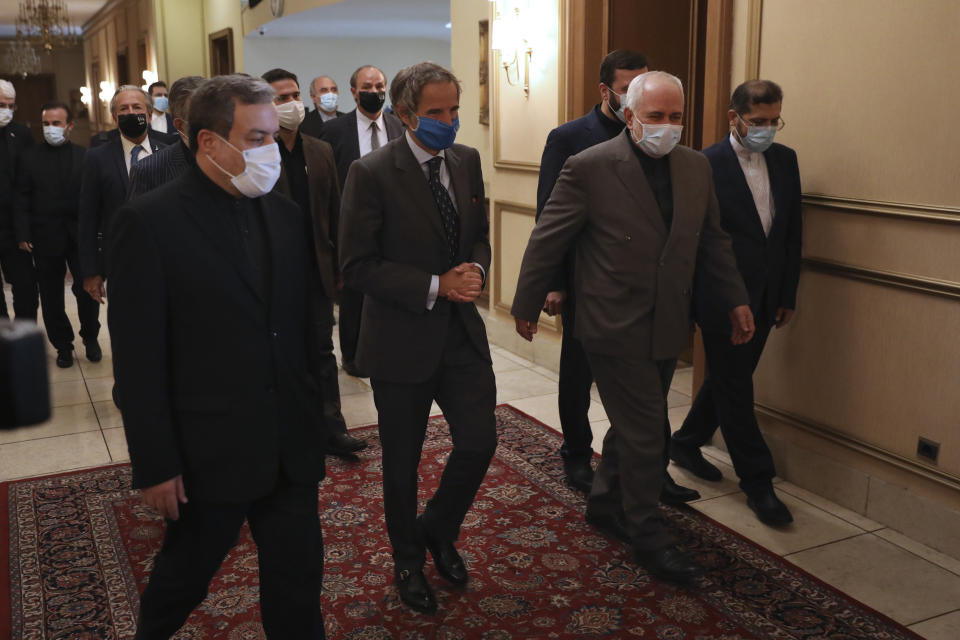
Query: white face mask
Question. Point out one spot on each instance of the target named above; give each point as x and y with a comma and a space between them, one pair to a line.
328, 101
290, 114
6, 115
55, 136
658, 139
622, 99
262, 170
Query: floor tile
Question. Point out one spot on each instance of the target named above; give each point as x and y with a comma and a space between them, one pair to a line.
930, 555
884, 576
108, 414
350, 385
547, 373
677, 415
599, 428
522, 383
74, 418
509, 355
100, 388
358, 409
102, 369
811, 526
51, 455
843, 513
116, 444
56, 374
503, 363
683, 380
69, 392
946, 627
544, 408
708, 490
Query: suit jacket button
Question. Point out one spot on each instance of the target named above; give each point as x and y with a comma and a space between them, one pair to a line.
275, 333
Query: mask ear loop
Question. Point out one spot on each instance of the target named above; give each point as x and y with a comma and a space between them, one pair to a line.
216, 164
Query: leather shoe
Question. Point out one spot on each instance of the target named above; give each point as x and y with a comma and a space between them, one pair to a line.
351, 369
579, 474
613, 526
768, 507
693, 460
675, 495
448, 562
64, 358
415, 591
668, 563
94, 354
343, 444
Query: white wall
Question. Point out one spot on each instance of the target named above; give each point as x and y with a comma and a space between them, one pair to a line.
338, 58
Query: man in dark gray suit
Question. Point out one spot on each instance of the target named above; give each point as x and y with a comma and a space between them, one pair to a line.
413, 240
644, 219
173, 161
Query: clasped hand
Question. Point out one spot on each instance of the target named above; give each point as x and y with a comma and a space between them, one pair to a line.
463, 283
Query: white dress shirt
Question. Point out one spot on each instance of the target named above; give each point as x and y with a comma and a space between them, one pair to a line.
423, 157
324, 118
758, 179
363, 132
159, 122
128, 147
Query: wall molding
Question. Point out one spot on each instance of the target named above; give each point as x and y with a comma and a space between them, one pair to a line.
901, 210
870, 450
754, 29
893, 279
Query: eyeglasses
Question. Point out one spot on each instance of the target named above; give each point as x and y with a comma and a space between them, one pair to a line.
764, 122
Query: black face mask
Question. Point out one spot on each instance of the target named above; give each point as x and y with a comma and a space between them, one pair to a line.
132, 125
371, 101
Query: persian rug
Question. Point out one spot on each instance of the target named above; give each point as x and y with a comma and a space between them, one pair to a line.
81, 546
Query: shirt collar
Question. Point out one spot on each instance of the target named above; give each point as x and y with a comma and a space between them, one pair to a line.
741, 150
128, 145
419, 152
365, 121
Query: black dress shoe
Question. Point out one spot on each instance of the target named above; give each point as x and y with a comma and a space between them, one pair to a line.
579, 474
64, 358
668, 563
613, 526
675, 495
448, 562
415, 591
343, 444
94, 353
768, 507
351, 368
693, 460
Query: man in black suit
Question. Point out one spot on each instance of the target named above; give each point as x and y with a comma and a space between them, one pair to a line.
48, 187
353, 136
413, 239
105, 187
758, 187
325, 96
161, 120
169, 163
211, 316
309, 178
15, 265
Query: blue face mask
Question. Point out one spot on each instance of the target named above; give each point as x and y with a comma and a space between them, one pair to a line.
758, 139
161, 103
435, 134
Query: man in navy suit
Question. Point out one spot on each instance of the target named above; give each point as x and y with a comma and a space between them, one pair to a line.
353, 136
758, 187
104, 188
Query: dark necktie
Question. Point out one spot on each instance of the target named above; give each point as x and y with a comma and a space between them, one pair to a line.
374, 140
135, 155
448, 213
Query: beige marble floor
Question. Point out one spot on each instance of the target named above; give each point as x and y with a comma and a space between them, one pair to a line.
907, 581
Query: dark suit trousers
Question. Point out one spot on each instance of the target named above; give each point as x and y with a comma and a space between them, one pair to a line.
574, 387
465, 389
726, 398
630, 475
351, 308
17, 269
329, 372
286, 529
50, 276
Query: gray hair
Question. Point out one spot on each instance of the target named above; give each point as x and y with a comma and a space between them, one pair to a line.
129, 87
7, 90
180, 93
213, 103
313, 90
407, 86
638, 84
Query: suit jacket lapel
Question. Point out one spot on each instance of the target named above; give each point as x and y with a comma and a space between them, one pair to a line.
416, 184
119, 162
739, 181
776, 190
351, 143
631, 175
394, 128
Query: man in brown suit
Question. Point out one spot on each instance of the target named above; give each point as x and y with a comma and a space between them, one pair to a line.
309, 178
642, 215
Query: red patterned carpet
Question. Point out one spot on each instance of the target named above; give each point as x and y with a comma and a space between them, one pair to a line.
80, 549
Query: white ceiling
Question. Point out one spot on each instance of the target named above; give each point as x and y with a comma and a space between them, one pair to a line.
80, 11
366, 19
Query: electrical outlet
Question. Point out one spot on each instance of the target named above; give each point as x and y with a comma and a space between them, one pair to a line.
928, 449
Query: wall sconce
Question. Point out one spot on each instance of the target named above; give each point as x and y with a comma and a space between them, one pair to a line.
85, 95
511, 42
149, 77
107, 89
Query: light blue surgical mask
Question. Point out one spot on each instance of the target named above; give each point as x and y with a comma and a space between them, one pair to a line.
328, 101
55, 136
161, 103
435, 134
758, 139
